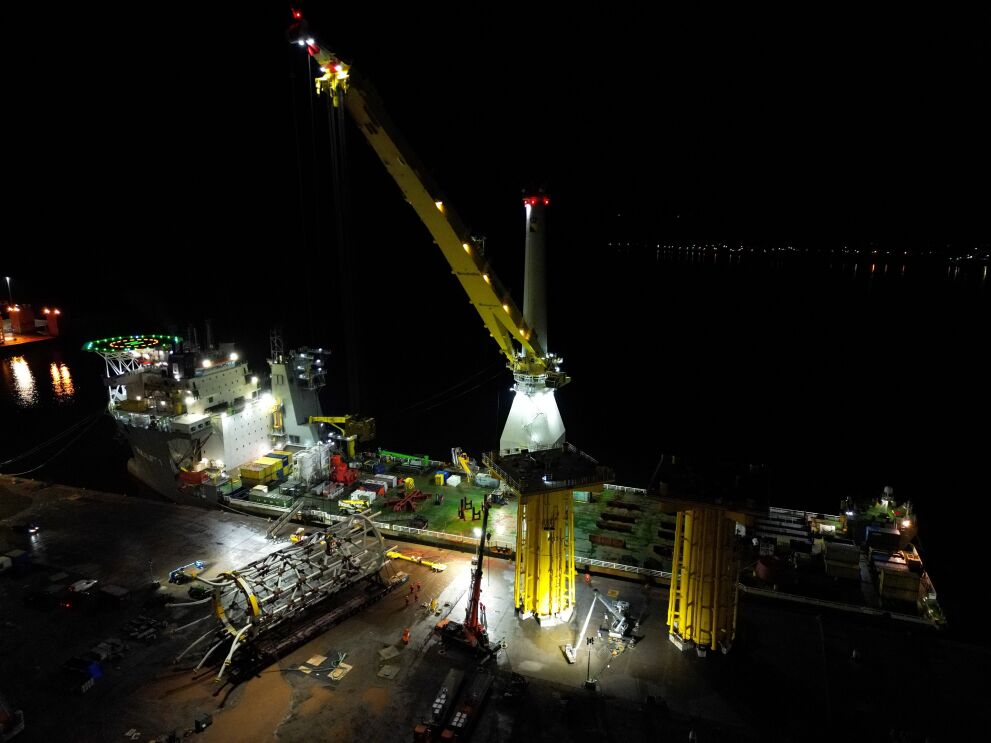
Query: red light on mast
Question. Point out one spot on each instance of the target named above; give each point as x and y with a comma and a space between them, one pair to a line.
297, 14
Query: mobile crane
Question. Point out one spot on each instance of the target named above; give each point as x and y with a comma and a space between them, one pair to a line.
534, 421
473, 633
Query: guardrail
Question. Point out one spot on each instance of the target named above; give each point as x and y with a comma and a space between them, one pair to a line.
461, 539
621, 567
625, 489
441, 535
803, 514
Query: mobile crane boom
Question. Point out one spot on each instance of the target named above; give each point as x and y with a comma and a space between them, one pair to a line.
487, 294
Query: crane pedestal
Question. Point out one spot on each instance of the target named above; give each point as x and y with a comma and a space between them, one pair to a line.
534, 421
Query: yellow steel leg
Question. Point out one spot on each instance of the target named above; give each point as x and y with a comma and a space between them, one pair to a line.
545, 555
705, 566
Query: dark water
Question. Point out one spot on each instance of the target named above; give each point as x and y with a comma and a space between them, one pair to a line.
842, 377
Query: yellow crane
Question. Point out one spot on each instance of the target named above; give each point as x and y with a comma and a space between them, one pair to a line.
353, 428
461, 458
488, 296
547, 585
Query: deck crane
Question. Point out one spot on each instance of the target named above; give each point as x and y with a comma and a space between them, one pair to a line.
353, 428
534, 421
460, 458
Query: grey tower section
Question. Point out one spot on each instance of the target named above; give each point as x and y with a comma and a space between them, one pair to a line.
535, 276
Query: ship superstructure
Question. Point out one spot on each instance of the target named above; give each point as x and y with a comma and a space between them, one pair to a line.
193, 415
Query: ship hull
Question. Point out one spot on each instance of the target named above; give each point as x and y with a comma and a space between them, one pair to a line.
152, 464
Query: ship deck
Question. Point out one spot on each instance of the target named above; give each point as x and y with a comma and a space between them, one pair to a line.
627, 527
790, 676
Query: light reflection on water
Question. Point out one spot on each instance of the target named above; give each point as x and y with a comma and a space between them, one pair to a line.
62, 381
20, 382
24, 387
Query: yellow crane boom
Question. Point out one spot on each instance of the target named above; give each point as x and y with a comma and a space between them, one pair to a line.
487, 294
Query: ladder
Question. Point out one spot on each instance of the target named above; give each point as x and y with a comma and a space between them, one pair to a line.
285, 518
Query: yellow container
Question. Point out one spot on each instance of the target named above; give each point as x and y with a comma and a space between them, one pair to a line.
270, 464
285, 454
438, 479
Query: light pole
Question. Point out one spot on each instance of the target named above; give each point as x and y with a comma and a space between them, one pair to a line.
589, 683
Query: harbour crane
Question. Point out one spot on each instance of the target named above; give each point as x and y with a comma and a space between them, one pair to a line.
534, 421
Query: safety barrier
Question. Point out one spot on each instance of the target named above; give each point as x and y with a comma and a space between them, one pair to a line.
625, 489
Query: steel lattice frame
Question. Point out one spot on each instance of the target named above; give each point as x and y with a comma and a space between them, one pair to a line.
262, 595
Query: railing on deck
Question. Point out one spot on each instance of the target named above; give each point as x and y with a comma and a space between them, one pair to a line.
625, 489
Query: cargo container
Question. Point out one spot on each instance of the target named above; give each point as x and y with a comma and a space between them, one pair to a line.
372, 486
193, 478
439, 478
285, 456
270, 499
390, 481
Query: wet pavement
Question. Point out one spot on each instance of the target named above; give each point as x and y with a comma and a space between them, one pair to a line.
790, 677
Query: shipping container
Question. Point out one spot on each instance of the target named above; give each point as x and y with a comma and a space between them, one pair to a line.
439, 478
282, 458
283, 453
373, 486
389, 480
193, 478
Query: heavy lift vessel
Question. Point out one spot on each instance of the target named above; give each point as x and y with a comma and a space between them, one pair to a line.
702, 603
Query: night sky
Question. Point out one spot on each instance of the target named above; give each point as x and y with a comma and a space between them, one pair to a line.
171, 164
143, 131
